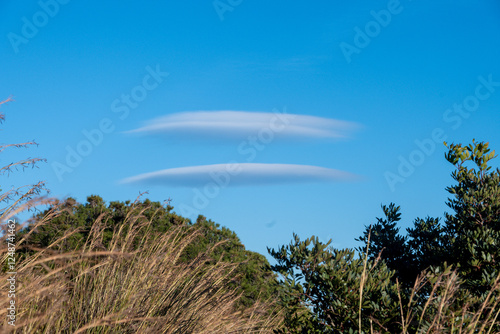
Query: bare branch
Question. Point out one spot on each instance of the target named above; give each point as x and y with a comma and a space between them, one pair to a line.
23, 164
27, 144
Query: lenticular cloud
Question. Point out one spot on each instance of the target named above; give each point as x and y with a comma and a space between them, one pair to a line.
240, 124
238, 174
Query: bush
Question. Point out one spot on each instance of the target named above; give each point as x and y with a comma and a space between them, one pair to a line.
137, 283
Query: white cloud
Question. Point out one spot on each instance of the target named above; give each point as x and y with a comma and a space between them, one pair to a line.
237, 174
241, 124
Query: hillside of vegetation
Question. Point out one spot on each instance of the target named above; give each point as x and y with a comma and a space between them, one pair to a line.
138, 267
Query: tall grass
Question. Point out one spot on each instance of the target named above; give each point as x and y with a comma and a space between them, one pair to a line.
448, 308
136, 283
139, 282
437, 304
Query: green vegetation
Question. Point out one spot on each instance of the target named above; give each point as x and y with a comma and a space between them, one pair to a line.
439, 278
127, 267
74, 224
469, 237
137, 282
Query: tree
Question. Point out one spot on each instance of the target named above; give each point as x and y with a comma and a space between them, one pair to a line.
386, 242
325, 290
469, 238
407, 255
449, 271
426, 242
252, 279
472, 231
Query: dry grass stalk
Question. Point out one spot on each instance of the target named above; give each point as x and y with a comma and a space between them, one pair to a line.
138, 284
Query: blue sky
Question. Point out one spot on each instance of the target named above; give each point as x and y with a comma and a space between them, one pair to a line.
269, 118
